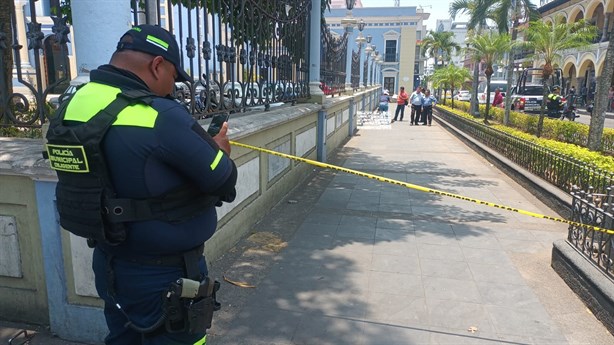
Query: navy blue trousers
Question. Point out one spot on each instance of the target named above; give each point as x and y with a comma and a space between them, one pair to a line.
139, 289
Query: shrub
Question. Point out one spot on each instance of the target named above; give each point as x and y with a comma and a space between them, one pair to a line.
556, 128
564, 131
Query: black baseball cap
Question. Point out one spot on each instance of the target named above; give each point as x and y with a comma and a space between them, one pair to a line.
155, 40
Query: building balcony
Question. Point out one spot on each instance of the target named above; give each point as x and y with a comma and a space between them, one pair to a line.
597, 49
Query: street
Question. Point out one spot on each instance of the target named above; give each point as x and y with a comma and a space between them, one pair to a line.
586, 119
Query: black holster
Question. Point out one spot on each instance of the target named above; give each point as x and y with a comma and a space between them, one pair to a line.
189, 305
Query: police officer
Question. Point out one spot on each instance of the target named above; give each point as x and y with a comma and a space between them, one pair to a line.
555, 102
161, 175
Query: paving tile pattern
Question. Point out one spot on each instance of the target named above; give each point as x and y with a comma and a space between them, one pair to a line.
376, 263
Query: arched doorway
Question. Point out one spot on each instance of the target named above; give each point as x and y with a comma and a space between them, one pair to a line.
56, 64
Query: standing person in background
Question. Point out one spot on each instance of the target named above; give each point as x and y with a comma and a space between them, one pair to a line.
498, 99
384, 99
416, 105
428, 102
583, 93
401, 103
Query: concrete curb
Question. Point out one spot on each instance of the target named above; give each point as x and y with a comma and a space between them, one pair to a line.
593, 287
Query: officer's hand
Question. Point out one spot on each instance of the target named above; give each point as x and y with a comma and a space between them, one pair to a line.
221, 139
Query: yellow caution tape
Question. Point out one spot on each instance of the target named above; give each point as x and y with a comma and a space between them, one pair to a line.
420, 188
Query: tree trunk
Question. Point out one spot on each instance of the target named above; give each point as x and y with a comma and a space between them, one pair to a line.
451, 94
488, 76
540, 122
473, 104
510, 75
595, 131
6, 58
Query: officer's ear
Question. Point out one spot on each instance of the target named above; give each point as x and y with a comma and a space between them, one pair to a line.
156, 67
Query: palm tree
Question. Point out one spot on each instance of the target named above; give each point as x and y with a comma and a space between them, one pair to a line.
516, 12
451, 76
489, 48
479, 11
595, 131
440, 44
548, 40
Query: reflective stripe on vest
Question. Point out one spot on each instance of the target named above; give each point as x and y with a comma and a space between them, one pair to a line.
94, 97
203, 341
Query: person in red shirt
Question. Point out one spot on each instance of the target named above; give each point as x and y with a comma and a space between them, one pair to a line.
401, 103
498, 100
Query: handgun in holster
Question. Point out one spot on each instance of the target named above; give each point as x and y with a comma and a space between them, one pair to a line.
190, 305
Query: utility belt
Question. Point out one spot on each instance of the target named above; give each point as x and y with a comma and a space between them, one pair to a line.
188, 303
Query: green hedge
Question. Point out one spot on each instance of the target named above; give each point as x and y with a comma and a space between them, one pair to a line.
591, 158
563, 131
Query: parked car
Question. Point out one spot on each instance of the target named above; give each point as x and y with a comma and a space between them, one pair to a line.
181, 91
528, 98
463, 95
494, 84
72, 88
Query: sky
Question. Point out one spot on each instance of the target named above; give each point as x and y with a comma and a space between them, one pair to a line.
437, 8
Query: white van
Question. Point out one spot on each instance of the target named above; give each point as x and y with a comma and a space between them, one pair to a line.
494, 84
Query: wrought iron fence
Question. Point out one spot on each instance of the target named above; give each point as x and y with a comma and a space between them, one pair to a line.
593, 209
355, 77
25, 106
333, 61
560, 170
241, 54
365, 71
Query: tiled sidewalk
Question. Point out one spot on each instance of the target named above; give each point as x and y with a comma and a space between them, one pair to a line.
375, 263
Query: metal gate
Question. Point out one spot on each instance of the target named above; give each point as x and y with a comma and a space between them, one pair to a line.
242, 54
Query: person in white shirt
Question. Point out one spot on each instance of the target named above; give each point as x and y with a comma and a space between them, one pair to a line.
416, 105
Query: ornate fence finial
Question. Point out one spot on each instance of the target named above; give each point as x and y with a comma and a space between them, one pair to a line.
60, 29
35, 36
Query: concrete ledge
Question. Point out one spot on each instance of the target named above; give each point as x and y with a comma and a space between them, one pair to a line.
593, 287
550, 195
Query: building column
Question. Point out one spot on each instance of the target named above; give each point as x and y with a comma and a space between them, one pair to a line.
90, 19
606, 24
315, 16
21, 34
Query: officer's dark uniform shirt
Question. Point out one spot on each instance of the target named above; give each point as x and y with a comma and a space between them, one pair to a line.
554, 102
148, 162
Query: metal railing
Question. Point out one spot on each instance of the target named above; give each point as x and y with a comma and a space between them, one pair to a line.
355, 76
333, 60
593, 209
241, 54
560, 170
48, 64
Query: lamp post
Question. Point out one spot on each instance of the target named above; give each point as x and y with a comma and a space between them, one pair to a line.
360, 41
348, 23
380, 63
373, 56
368, 51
